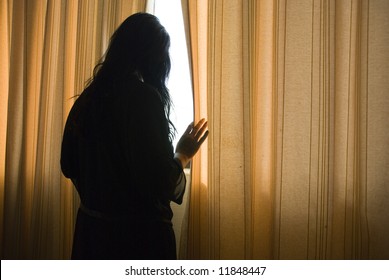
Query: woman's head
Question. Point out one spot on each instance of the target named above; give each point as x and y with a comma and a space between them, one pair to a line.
139, 46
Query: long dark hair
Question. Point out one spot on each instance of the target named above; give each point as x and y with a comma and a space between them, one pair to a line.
139, 46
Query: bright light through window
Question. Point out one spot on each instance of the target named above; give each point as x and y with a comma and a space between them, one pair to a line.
169, 13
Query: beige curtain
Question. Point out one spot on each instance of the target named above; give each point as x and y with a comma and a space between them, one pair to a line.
297, 97
48, 51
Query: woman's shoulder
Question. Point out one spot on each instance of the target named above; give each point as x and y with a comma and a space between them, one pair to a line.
136, 90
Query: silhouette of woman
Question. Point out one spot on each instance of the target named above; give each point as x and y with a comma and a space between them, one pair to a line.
117, 149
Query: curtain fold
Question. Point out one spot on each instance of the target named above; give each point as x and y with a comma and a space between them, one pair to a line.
49, 49
195, 17
296, 95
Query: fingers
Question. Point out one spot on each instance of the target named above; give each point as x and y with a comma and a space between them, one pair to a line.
199, 124
189, 128
193, 138
202, 139
198, 132
199, 129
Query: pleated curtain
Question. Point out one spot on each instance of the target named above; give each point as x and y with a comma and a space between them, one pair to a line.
48, 51
296, 93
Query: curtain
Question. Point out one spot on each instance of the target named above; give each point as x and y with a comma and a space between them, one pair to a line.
48, 51
296, 96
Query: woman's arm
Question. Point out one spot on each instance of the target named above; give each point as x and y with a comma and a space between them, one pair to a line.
150, 154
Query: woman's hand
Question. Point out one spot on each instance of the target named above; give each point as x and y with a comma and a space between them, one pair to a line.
190, 141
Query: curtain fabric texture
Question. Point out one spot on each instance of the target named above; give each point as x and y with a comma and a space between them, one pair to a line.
48, 51
296, 94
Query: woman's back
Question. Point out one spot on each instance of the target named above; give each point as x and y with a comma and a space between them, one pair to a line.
110, 135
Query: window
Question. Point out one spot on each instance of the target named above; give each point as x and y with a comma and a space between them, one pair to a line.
169, 13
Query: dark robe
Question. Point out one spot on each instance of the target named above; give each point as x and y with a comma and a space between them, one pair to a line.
117, 152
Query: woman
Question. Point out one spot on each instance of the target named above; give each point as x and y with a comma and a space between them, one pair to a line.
117, 149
